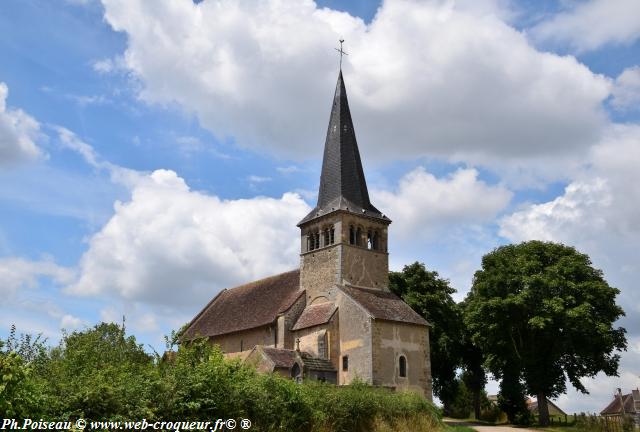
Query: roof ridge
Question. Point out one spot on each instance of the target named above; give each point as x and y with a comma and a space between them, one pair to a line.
264, 279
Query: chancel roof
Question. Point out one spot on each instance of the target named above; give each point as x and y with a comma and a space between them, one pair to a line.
342, 182
315, 315
284, 358
248, 306
384, 305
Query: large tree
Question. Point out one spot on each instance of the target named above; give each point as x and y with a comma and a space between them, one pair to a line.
543, 315
430, 295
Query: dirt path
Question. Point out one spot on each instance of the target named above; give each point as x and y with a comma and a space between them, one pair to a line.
485, 428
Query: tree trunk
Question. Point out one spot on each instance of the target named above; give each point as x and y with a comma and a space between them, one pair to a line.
543, 410
476, 403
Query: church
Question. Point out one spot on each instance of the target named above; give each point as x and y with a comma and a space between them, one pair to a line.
334, 319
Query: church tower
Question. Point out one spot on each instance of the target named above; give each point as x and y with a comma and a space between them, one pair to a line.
344, 238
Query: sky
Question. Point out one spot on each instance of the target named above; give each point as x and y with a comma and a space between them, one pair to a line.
154, 153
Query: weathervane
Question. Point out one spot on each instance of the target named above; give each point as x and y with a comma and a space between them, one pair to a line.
341, 51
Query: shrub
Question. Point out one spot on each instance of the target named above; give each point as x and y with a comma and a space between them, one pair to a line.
102, 374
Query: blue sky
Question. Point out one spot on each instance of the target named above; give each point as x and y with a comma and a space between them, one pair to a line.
153, 154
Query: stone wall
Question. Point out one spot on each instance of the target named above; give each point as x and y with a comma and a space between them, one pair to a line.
355, 341
390, 340
329, 334
319, 271
244, 341
365, 268
286, 321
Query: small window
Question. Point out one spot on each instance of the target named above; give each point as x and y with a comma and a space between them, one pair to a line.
345, 363
374, 241
358, 236
369, 240
352, 235
327, 239
402, 363
332, 236
317, 245
310, 242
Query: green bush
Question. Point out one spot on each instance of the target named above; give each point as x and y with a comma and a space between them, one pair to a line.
102, 374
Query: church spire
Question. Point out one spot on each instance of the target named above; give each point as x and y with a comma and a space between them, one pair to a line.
342, 182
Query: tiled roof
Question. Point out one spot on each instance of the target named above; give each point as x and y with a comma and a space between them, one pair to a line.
281, 358
342, 182
284, 358
532, 404
384, 305
614, 406
248, 306
315, 315
315, 363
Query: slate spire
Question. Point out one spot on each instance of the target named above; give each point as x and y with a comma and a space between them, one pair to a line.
342, 182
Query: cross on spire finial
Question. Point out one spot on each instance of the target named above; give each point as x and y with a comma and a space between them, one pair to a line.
341, 51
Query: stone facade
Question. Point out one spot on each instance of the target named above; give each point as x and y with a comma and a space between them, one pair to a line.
244, 341
355, 254
394, 340
355, 342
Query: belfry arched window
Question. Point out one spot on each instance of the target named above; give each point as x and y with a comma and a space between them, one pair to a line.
358, 236
402, 366
317, 240
327, 238
352, 235
332, 235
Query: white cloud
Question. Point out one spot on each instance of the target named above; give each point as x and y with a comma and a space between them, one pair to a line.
600, 202
172, 246
422, 204
70, 322
18, 132
626, 91
119, 175
426, 77
289, 169
18, 273
591, 24
258, 179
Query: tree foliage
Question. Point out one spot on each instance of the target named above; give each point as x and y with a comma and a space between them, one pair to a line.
542, 314
102, 374
431, 296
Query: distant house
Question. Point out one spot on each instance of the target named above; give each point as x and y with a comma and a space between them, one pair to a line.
554, 410
621, 405
532, 405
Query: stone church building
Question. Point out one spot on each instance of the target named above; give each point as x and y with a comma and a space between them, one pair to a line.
334, 318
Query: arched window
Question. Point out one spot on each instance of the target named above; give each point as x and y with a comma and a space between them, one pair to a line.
374, 241
327, 239
332, 235
310, 242
358, 237
352, 235
402, 366
369, 240
317, 242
